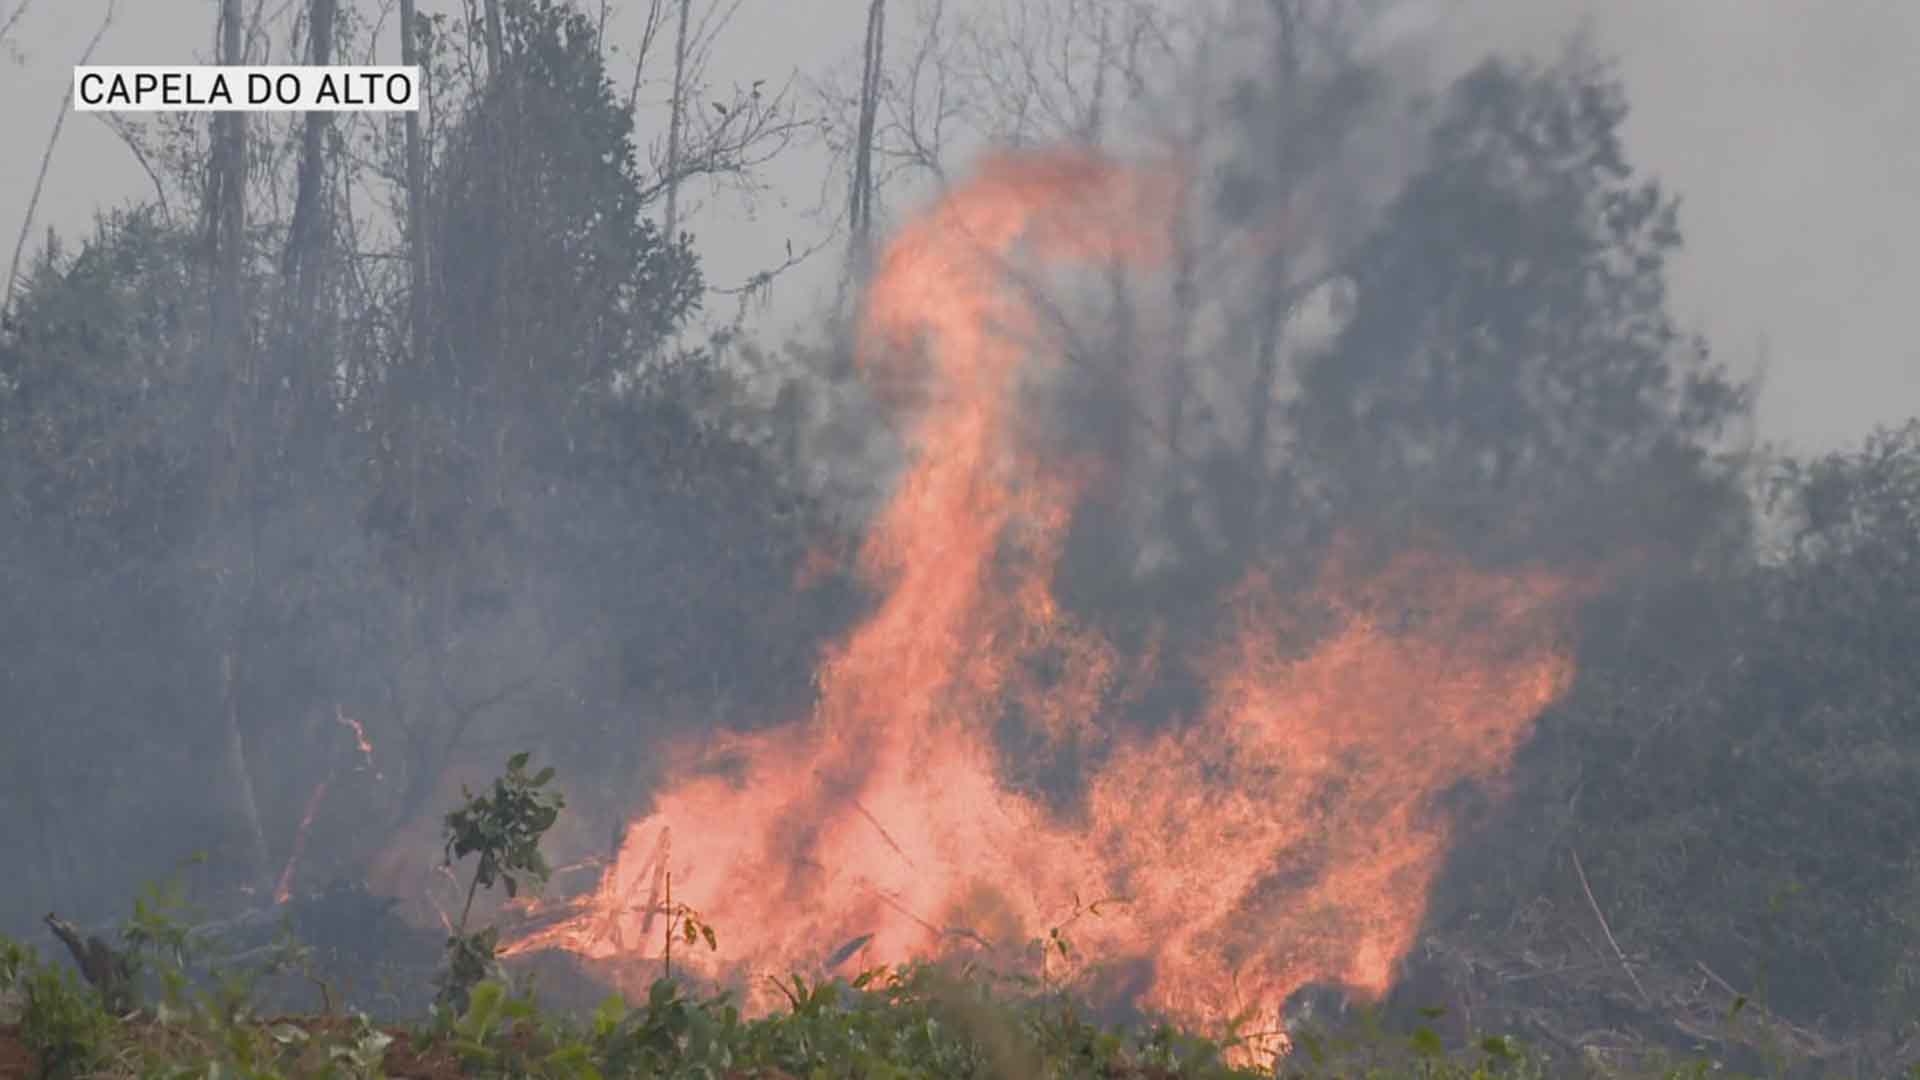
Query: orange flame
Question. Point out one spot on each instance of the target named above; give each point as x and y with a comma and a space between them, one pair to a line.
1288, 834
283, 890
360, 740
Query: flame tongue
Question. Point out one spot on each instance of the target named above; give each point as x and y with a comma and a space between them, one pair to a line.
1286, 835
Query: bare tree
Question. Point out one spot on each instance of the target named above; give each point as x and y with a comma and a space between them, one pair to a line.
860, 204
677, 107
494, 44
1248, 100
226, 207
46, 155
728, 140
416, 201
307, 232
304, 229
1022, 72
226, 225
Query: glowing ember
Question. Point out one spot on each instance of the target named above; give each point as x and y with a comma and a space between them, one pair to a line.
359, 738
284, 890
1288, 834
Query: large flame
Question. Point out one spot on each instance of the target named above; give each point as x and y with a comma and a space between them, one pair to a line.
1287, 834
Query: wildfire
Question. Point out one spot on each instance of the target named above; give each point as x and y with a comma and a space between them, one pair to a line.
1287, 834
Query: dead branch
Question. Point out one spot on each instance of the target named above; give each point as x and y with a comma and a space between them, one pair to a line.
129, 139
759, 280
1605, 929
722, 139
46, 156
860, 205
13, 19
731, 141
105, 968
301, 234
649, 33
676, 119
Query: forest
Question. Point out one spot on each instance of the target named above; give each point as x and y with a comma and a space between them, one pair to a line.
1242, 541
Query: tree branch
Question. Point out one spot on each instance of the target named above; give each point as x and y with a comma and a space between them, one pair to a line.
1605, 929
132, 143
13, 19
46, 156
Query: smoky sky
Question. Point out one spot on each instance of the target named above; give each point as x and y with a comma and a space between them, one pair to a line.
1790, 129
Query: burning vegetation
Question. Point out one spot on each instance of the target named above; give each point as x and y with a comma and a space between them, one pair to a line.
1288, 833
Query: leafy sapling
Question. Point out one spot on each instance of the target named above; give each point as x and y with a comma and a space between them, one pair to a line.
503, 827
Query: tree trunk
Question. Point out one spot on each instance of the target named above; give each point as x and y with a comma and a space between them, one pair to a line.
860, 202
248, 804
675, 119
494, 34
303, 230
407, 392
305, 236
233, 448
416, 200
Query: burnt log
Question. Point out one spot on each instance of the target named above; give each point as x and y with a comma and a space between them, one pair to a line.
107, 969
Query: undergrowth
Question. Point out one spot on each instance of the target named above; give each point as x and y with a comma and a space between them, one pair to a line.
907, 1023
904, 1024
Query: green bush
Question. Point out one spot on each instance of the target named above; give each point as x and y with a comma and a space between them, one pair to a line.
62, 1022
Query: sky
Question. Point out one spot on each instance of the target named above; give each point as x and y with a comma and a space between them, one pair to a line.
1789, 128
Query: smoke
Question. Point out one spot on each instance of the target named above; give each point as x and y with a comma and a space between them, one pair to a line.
1065, 454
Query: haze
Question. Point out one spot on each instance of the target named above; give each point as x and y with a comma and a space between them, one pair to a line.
1791, 130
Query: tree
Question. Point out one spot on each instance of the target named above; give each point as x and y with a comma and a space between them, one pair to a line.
1739, 780
101, 374
1509, 344
580, 520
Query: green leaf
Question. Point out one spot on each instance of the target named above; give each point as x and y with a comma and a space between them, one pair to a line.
572, 1060
483, 1010
519, 761
608, 1016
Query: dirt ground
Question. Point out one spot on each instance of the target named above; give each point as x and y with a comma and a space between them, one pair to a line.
15, 1062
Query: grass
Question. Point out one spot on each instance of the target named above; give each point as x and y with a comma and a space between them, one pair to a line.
917, 1022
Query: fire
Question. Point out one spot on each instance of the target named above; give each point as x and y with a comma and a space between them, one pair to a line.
1287, 834
283, 889
360, 740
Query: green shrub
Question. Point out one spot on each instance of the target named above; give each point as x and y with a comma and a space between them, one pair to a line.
61, 1022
